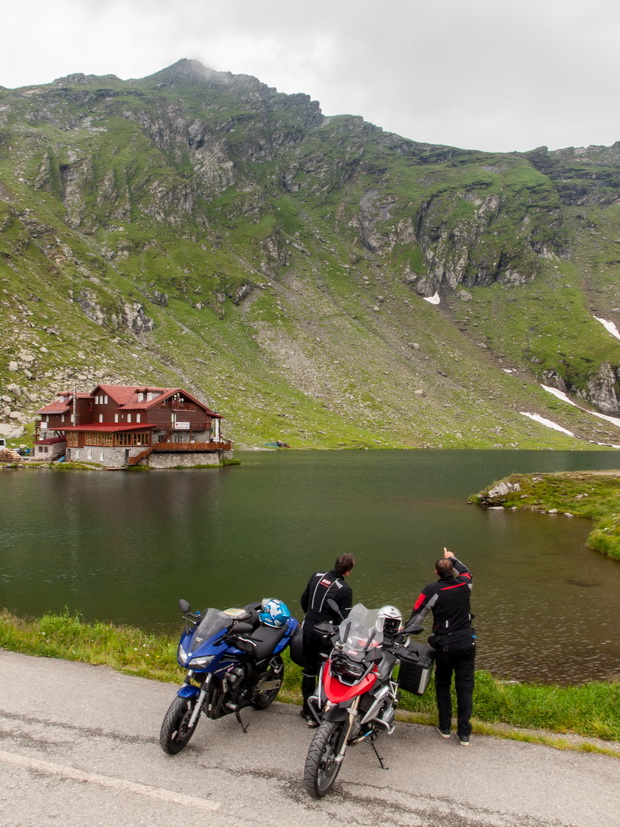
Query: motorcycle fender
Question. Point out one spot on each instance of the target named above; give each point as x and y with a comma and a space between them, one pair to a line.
336, 713
188, 691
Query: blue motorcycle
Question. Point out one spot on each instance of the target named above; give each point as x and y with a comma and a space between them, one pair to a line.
233, 660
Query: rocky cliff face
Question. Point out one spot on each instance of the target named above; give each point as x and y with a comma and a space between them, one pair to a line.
146, 209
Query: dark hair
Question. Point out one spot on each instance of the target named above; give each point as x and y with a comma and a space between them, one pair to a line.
344, 563
444, 567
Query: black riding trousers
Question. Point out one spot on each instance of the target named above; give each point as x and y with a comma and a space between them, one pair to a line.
456, 659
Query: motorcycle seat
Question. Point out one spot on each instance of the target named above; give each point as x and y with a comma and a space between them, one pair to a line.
266, 639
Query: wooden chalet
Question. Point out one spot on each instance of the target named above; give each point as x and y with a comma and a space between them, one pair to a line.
123, 425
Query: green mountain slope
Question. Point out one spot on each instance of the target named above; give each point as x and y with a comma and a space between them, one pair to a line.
200, 229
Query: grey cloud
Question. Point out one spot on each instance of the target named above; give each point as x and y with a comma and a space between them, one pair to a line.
477, 73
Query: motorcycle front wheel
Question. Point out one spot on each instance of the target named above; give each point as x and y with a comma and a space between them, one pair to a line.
174, 734
275, 672
321, 767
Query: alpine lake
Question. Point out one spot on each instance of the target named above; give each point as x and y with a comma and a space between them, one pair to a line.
124, 547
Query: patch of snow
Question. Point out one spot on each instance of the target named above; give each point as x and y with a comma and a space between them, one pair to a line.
560, 395
432, 299
613, 419
610, 327
547, 422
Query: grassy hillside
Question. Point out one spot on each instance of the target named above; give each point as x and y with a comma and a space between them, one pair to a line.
199, 229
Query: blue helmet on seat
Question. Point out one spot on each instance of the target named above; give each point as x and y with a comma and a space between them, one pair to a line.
274, 613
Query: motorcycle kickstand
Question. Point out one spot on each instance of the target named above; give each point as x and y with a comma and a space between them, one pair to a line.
379, 759
238, 717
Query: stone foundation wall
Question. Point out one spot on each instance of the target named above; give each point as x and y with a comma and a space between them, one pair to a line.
117, 457
184, 459
110, 457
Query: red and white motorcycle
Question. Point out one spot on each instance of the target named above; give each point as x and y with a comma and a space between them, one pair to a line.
357, 693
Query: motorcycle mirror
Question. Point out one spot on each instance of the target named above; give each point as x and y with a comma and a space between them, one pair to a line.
415, 629
346, 631
184, 606
334, 606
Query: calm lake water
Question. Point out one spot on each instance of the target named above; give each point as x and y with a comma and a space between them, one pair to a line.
124, 547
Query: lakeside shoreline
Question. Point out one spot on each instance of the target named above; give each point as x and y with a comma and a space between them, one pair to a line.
594, 495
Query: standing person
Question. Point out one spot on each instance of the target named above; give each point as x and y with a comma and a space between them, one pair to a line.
454, 640
322, 586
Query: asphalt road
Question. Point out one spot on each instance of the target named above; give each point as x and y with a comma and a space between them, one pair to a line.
79, 746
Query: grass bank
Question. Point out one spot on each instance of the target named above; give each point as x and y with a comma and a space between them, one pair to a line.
591, 494
591, 710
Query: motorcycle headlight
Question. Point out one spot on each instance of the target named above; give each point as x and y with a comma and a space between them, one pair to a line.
348, 671
182, 655
201, 663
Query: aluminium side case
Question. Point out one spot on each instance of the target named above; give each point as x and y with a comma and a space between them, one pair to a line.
415, 671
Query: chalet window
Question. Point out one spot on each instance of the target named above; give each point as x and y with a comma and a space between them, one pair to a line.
96, 438
105, 400
62, 418
128, 417
100, 417
137, 417
135, 438
116, 417
72, 440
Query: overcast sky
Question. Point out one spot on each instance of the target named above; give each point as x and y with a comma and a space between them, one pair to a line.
480, 74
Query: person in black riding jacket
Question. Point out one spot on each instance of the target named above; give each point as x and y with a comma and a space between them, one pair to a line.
454, 640
322, 587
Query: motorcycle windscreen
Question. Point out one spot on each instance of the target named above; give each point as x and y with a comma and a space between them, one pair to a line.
212, 622
338, 692
359, 632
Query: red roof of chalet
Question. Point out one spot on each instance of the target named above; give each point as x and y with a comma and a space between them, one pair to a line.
49, 441
61, 404
126, 397
56, 407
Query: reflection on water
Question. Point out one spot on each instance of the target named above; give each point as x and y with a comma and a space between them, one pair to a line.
125, 547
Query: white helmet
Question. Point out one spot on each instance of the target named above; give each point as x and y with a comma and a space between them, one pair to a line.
389, 621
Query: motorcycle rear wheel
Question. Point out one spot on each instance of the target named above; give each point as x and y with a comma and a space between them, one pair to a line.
275, 672
321, 767
174, 734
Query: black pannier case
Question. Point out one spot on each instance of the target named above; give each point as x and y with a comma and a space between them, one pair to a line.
415, 677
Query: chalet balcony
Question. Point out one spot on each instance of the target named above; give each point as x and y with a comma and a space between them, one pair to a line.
171, 447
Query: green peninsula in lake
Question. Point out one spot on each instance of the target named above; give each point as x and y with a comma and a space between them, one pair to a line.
591, 494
